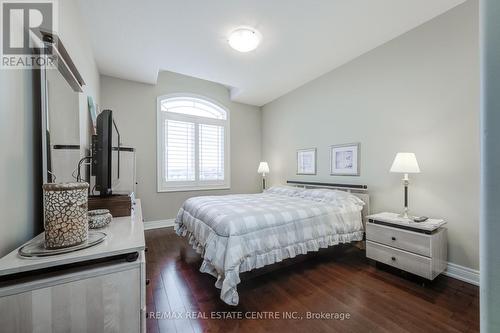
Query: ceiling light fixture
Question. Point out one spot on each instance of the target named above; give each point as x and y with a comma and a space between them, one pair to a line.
244, 39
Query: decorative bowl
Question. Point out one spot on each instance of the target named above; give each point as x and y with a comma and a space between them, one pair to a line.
99, 218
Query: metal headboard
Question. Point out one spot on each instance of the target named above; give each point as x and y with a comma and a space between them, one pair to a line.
361, 191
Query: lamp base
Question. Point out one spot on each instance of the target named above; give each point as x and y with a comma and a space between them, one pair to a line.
406, 182
404, 215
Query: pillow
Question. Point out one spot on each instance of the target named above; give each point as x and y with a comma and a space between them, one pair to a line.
327, 195
290, 191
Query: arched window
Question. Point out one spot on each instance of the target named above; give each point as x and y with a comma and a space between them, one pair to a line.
193, 144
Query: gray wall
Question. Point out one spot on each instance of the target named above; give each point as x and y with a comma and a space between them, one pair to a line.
19, 190
134, 107
20, 174
417, 93
490, 182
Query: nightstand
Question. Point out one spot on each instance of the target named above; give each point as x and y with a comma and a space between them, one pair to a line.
418, 248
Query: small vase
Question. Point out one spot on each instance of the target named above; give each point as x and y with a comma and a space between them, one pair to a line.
65, 214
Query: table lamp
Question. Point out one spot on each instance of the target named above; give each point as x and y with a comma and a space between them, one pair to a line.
263, 169
405, 163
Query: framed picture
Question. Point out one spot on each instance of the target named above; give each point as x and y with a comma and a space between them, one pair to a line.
93, 114
306, 161
344, 159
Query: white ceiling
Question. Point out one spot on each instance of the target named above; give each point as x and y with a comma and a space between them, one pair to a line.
302, 39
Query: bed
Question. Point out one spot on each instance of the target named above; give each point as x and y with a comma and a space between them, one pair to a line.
241, 232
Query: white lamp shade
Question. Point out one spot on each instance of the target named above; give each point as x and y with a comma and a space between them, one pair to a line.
405, 163
263, 168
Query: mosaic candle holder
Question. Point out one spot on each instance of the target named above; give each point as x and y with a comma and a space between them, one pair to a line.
65, 214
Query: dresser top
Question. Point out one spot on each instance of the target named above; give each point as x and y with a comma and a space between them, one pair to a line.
124, 235
398, 221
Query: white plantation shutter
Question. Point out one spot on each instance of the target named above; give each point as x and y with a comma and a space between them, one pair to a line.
193, 144
180, 151
211, 151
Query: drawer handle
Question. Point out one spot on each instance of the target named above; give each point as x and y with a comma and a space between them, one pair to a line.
393, 238
393, 258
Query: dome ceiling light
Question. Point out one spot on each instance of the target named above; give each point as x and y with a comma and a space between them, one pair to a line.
244, 39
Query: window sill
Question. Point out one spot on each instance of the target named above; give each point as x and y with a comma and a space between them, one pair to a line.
193, 188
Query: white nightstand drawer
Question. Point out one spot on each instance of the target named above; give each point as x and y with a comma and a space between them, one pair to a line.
401, 239
406, 261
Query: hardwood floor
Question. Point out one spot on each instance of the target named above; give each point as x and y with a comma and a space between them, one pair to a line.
339, 280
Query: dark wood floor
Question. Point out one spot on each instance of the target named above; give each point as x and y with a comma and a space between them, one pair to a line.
340, 280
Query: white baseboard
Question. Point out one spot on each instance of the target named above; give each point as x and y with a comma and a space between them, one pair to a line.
462, 273
149, 225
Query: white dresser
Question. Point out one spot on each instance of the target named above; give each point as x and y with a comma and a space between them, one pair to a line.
99, 289
418, 248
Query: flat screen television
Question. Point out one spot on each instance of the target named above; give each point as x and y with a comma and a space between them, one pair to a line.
106, 153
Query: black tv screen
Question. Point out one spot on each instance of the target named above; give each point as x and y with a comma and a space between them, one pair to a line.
106, 153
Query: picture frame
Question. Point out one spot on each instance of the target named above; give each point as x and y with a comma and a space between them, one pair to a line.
93, 115
345, 159
306, 161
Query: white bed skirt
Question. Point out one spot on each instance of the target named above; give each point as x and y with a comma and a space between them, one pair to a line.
211, 247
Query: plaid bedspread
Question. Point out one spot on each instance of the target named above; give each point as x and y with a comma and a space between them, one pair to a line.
238, 233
